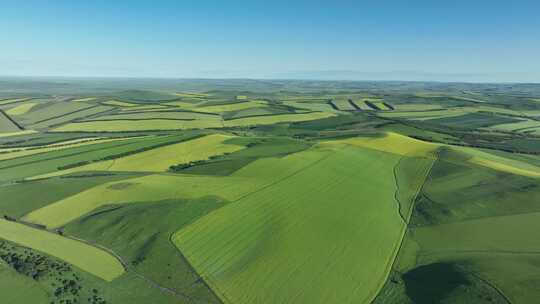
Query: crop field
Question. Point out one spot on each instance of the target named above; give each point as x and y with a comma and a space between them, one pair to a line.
291, 220
41, 163
243, 191
161, 159
21, 109
6, 124
139, 125
88, 258
47, 111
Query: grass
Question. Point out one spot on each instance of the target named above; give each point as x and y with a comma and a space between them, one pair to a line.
500, 163
304, 230
499, 249
6, 125
16, 288
86, 257
149, 251
511, 235
457, 191
21, 109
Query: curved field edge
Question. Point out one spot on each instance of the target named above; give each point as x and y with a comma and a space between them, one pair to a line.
201, 258
161, 158
86, 257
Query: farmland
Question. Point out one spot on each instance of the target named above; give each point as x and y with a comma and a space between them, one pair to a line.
242, 191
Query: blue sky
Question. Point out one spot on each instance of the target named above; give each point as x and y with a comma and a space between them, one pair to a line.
457, 40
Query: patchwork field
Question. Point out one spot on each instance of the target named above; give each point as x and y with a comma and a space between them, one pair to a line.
244, 191
161, 159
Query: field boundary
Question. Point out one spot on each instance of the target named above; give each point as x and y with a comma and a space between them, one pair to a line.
399, 243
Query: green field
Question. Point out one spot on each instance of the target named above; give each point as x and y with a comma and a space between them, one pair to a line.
161, 159
17, 288
86, 257
291, 225
268, 191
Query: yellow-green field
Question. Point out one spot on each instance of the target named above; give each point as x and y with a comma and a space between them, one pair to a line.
6, 101
86, 99
162, 124
88, 258
139, 125
232, 107
160, 159
272, 119
516, 126
118, 103
24, 132
26, 151
21, 109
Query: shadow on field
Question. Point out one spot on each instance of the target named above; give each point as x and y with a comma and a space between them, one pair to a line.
432, 283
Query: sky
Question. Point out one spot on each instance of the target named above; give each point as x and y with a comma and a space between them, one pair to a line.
474, 40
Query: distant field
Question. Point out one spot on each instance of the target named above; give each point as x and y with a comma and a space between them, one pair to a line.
21, 109
86, 257
16, 133
160, 124
47, 111
139, 125
272, 119
71, 116
118, 103
343, 104
518, 126
232, 107
473, 120
6, 125
173, 115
